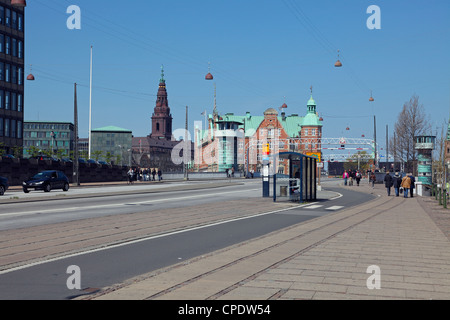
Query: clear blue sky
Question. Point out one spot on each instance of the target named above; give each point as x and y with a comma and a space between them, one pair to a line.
262, 53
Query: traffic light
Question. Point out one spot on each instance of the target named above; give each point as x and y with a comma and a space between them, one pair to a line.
266, 149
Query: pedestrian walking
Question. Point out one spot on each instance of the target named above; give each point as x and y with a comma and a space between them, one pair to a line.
406, 185
413, 185
153, 174
388, 181
372, 179
130, 175
358, 177
345, 177
159, 175
397, 182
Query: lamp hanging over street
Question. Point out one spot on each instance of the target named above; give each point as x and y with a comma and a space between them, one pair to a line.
30, 77
338, 63
371, 98
209, 76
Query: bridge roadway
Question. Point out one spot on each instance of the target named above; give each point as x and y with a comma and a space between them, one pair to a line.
236, 246
330, 257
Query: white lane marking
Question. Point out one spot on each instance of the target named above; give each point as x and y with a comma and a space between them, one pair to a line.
314, 206
338, 196
334, 208
141, 240
121, 204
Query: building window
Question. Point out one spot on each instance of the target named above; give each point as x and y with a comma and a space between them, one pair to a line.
14, 47
306, 132
2, 15
7, 127
20, 76
14, 101
313, 132
19, 129
7, 72
20, 22
13, 128
157, 126
7, 100
7, 45
14, 20
1, 127
7, 17
14, 74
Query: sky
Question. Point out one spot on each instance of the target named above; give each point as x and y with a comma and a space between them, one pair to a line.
262, 53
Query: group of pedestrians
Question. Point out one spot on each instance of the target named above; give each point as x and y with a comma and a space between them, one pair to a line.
145, 174
401, 184
350, 176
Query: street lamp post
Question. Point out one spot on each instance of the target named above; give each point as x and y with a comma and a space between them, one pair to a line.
75, 176
185, 151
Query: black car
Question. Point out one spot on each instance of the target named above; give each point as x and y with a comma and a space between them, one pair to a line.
3, 185
46, 158
47, 180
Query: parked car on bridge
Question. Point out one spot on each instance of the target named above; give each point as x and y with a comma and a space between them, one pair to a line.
4, 185
47, 181
42, 157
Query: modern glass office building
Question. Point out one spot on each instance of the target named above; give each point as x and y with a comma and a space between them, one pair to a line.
55, 136
113, 140
12, 51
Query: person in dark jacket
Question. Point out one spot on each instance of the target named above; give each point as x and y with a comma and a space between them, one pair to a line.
397, 181
388, 183
411, 189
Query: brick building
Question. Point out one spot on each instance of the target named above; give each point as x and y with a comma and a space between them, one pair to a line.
236, 141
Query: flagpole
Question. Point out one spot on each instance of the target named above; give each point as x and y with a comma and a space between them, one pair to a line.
90, 107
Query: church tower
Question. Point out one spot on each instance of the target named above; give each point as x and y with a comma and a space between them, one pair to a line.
161, 118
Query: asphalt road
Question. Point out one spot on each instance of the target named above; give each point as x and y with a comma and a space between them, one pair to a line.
115, 264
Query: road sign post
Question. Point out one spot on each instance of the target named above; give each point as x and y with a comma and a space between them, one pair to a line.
265, 170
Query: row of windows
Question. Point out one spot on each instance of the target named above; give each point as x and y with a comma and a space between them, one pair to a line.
11, 128
11, 73
39, 126
11, 46
11, 101
271, 133
311, 132
46, 143
43, 134
11, 18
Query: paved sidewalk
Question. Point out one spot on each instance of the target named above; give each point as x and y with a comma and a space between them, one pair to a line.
324, 258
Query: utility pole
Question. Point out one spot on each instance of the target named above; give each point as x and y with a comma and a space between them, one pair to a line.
186, 149
90, 107
375, 141
387, 149
75, 176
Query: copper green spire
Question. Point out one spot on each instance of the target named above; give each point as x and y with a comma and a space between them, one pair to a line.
162, 75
